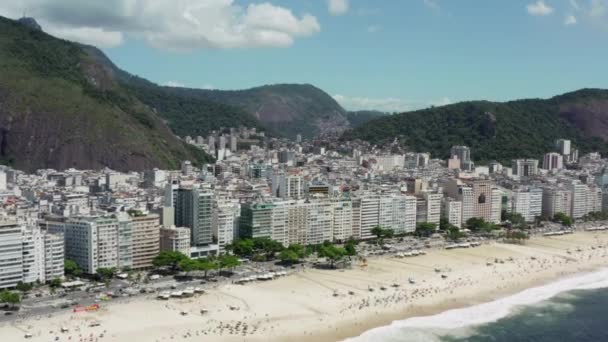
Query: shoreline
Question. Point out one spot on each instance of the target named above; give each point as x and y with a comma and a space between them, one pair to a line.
302, 307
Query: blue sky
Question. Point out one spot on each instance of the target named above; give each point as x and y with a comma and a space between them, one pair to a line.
383, 54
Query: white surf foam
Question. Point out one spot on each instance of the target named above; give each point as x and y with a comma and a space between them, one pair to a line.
488, 312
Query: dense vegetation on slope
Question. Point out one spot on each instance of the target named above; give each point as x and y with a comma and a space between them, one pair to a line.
361, 117
60, 108
285, 108
496, 131
184, 112
281, 109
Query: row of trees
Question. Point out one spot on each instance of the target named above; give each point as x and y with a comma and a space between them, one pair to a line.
265, 249
177, 261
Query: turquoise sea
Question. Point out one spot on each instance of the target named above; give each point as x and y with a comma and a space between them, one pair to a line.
572, 309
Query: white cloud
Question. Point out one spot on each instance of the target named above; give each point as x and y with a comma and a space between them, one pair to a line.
88, 35
444, 101
174, 84
337, 7
388, 104
592, 12
171, 25
570, 20
539, 8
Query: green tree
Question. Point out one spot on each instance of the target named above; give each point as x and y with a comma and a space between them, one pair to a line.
206, 265
243, 247
55, 283
188, 265
378, 231
454, 234
24, 287
425, 229
267, 246
563, 219
227, 261
444, 224
169, 258
288, 256
351, 248
10, 298
332, 253
71, 268
106, 273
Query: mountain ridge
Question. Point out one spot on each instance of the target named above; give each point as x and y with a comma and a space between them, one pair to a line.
59, 108
502, 131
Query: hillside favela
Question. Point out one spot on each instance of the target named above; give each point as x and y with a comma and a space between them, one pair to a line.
327, 170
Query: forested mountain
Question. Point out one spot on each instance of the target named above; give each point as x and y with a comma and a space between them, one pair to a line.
281, 109
498, 131
60, 108
360, 117
287, 109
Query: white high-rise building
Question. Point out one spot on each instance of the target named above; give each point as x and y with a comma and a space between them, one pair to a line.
225, 218
527, 203
54, 256
556, 200
319, 221
175, 239
287, 186
33, 255
369, 211
579, 199
594, 199
28, 254
92, 242
2, 180
563, 146
433, 207
525, 167
553, 161
496, 206
11, 254
452, 211
342, 225
280, 222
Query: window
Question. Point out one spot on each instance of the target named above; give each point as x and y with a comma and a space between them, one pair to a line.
481, 199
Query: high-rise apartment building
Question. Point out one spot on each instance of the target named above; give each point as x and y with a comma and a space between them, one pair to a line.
452, 211
556, 200
553, 161
528, 203
525, 167
342, 225
92, 242
29, 254
146, 240
194, 209
175, 239
11, 254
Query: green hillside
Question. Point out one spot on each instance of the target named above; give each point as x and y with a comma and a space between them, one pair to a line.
60, 108
498, 131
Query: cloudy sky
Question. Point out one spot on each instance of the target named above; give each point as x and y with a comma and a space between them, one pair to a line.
391, 55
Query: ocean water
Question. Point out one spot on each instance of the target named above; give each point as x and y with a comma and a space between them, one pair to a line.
572, 309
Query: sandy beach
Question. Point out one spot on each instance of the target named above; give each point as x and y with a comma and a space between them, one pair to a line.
331, 305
